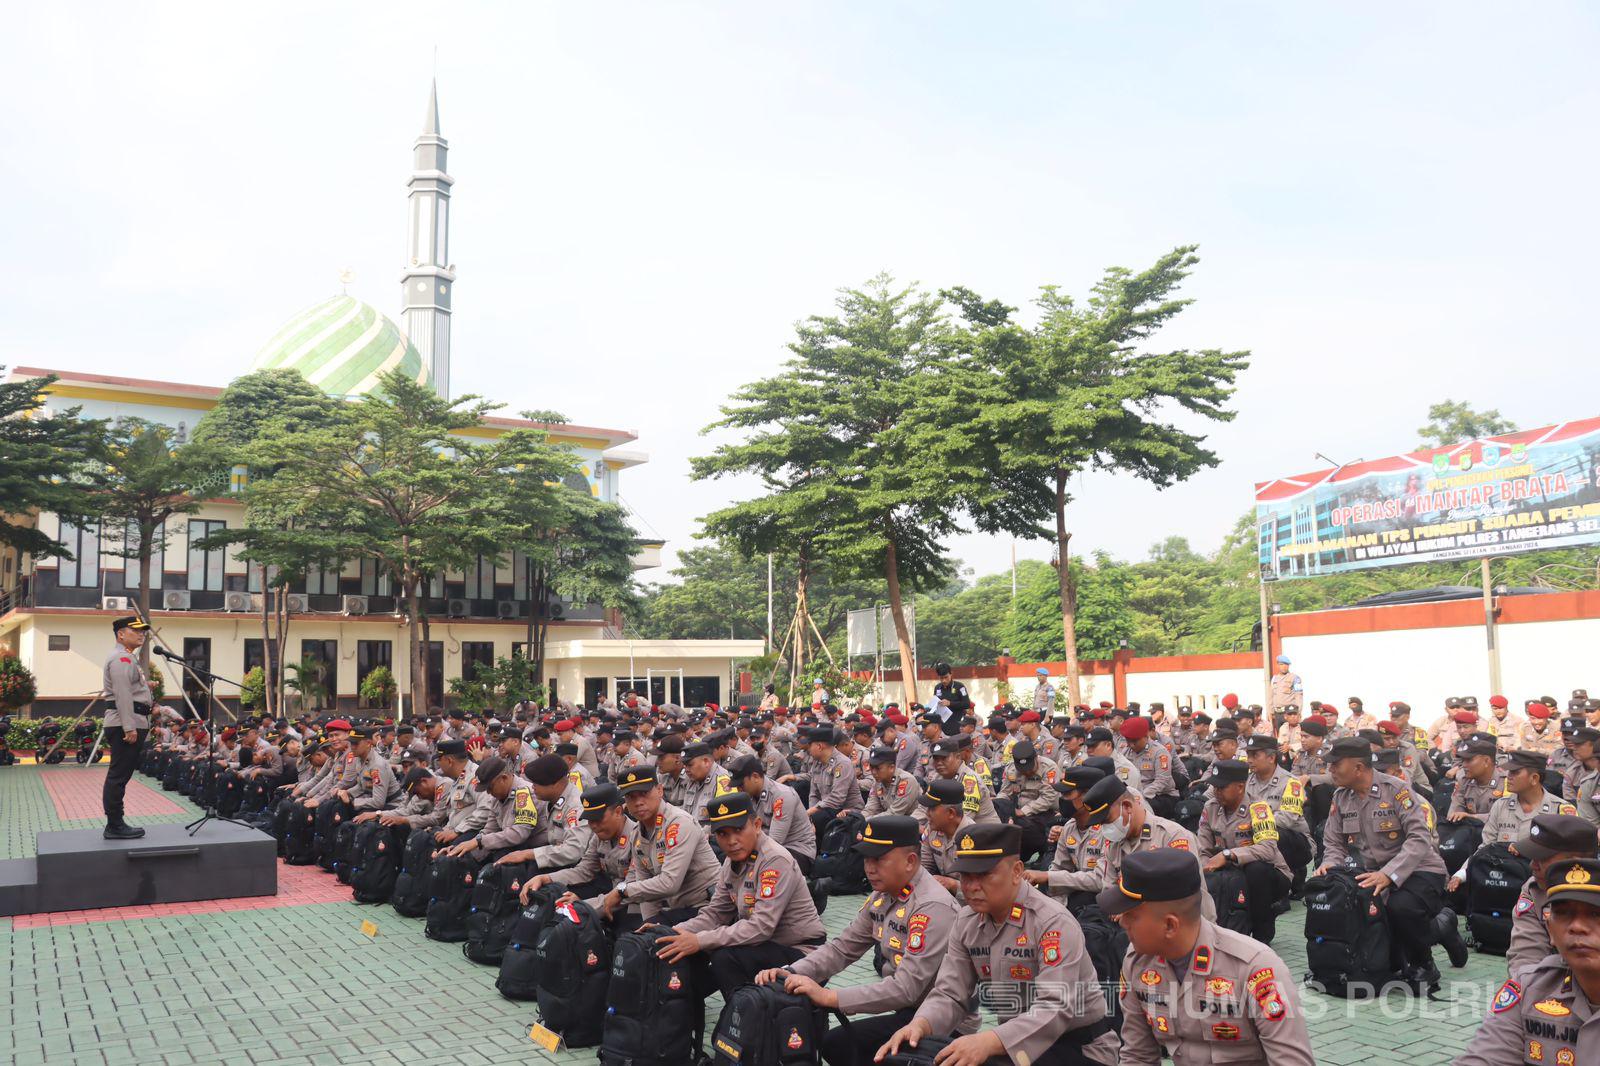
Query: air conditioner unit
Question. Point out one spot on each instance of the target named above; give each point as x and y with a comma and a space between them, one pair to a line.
508, 609
299, 604
238, 601
116, 603
355, 605
175, 600
456, 608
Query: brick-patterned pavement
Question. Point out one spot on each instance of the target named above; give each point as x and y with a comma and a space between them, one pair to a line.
75, 791
295, 983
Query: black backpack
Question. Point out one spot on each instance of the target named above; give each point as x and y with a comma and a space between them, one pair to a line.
574, 973
762, 1025
299, 835
410, 897
332, 816
921, 1055
1190, 808
1106, 945
1229, 891
1495, 877
837, 860
1347, 937
344, 853
653, 1015
519, 963
378, 852
451, 879
495, 907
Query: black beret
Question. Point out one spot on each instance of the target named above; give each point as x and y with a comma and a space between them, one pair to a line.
547, 770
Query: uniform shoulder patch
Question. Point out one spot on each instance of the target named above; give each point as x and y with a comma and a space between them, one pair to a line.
1509, 996
769, 884
1181, 843
1567, 808
900, 789
672, 835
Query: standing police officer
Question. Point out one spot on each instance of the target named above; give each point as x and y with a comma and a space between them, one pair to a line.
127, 692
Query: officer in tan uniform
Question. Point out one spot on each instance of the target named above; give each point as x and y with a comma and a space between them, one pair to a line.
1537, 734
1191, 990
1377, 823
1310, 763
1546, 1014
1270, 783
1359, 718
1582, 781
673, 869
564, 836
607, 848
1479, 784
458, 809
894, 791
1077, 854
512, 813
1030, 787
126, 690
908, 918
1154, 763
1502, 724
1287, 689
1126, 825
760, 914
943, 804
1021, 954
1243, 833
782, 814
1510, 816
947, 764
1550, 839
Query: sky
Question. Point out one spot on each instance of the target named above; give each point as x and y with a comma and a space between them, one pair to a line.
1394, 203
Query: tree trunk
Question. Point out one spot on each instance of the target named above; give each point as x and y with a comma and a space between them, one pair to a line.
1069, 592
539, 621
908, 659
419, 673
277, 650
267, 693
146, 532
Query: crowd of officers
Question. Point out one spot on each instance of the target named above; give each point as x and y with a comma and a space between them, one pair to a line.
982, 841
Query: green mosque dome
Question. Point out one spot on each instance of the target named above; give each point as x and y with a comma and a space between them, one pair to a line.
343, 346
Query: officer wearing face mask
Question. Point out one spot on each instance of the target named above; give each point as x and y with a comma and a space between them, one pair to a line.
1125, 824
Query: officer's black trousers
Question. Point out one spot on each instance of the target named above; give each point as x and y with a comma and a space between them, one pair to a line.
124, 761
855, 1045
1412, 908
731, 968
1297, 853
821, 817
1165, 806
803, 861
1265, 885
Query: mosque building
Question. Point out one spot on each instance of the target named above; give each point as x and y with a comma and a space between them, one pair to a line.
55, 613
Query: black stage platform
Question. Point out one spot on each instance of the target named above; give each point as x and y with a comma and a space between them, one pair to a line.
77, 869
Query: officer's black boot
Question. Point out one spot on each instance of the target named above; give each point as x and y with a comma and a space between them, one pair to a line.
120, 830
1449, 937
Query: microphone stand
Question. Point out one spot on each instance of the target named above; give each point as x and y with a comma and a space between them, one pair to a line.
207, 682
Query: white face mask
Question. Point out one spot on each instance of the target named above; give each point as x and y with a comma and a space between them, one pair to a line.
1114, 831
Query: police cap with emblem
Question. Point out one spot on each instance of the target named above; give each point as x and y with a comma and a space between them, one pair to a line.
1575, 879
695, 750
640, 777
1226, 772
1261, 742
1098, 800
880, 755
1585, 734
981, 847
1476, 746
740, 769
1160, 876
1552, 834
944, 791
1098, 735
1078, 778
1350, 748
945, 746
130, 621
886, 832
597, 799
1527, 760
731, 811
1024, 755
494, 766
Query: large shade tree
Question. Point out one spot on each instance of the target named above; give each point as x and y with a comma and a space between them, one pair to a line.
43, 463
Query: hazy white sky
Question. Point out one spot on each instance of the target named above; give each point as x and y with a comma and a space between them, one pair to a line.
1394, 203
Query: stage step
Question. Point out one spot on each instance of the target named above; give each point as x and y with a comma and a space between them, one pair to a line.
78, 869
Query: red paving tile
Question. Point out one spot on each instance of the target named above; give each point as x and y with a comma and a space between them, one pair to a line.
76, 793
297, 886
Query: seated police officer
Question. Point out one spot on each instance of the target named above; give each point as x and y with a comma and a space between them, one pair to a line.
1376, 823
907, 918
607, 849
513, 814
944, 804
1201, 992
893, 790
1244, 836
1124, 824
1073, 868
1017, 952
1510, 815
1551, 839
759, 915
782, 813
1030, 789
672, 869
1549, 1013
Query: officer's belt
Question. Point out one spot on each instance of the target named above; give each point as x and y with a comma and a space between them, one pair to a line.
1079, 1037
141, 708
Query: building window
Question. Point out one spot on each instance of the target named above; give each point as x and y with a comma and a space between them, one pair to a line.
255, 654
476, 653
205, 567
479, 579
130, 572
323, 579
371, 654
60, 642
253, 577
375, 579
520, 650
83, 569
519, 576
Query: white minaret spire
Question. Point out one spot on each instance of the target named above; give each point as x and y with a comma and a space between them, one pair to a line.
425, 288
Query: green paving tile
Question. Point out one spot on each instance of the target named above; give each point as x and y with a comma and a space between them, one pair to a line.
200, 989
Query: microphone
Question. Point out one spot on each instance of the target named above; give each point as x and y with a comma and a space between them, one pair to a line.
169, 656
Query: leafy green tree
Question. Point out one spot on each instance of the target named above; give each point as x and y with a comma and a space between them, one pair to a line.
1077, 392
396, 482
1033, 630
966, 624
864, 446
43, 464
1450, 422
377, 689
144, 479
